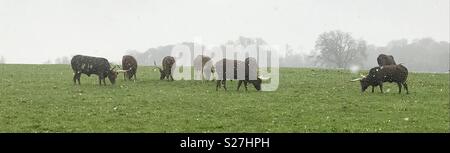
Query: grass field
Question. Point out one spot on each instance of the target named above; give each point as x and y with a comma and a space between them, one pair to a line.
42, 98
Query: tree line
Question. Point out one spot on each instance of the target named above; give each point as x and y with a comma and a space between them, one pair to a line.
333, 49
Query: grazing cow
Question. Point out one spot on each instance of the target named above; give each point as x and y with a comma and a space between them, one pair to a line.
202, 63
385, 60
388, 73
129, 65
92, 65
225, 66
168, 64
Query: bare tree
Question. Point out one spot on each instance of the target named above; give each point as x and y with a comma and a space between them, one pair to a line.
339, 49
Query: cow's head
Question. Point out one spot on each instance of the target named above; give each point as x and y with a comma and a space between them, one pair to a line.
161, 71
162, 74
363, 81
256, 83
112, 75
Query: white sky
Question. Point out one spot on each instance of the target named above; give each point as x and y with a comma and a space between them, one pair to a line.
33, 31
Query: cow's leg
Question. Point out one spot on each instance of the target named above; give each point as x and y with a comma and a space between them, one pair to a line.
78, 78
75, 78
406, 87
239, 84
373, 88
224, 82
100, 80
399, 87
381, 87
245, 85
217, 85
104, 81
135, 76
171, 77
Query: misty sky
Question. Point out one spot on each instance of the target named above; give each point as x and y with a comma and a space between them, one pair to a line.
34, 31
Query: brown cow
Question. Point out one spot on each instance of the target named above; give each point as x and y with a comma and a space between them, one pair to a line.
168, 64
92, 65
129, 65
388, 73
225, 67
385, 60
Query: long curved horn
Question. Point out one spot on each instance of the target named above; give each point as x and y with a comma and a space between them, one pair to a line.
357, 79
122, 71
362, 76
264, 78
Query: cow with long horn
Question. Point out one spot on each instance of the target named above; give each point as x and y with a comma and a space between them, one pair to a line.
92, 65
225, 67
389, 73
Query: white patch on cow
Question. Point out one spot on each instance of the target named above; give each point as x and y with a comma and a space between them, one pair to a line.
373, 75
377, 70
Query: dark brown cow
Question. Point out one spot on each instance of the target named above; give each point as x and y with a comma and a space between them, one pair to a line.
387, 73
237, 67
168, 64
92, 65
129, 65
385, 60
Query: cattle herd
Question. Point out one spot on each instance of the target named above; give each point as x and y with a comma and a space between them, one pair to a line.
225, 69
